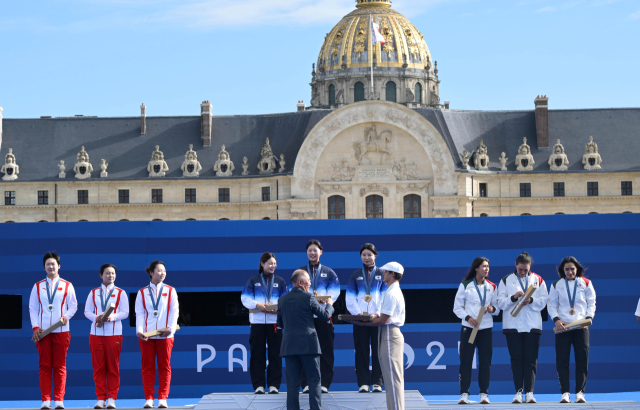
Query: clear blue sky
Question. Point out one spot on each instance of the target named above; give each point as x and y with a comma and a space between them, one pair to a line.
105, 57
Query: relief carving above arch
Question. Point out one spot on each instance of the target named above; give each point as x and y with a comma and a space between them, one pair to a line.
444, 181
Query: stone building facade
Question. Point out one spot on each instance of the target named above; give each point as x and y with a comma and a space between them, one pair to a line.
377, 158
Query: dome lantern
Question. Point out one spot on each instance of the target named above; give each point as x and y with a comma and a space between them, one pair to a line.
373, 3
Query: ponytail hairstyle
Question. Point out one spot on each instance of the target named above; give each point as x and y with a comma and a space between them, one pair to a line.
524, 258
370, 247
152, 267
474, 265
265, 257
107, 265
570, 259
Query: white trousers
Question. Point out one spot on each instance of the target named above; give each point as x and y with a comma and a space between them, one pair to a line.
391, 356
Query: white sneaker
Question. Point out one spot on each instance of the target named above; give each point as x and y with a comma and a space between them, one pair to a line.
518, 397
305, 390
111, 403
46, 404
162, 404
376, 388
464, 398
580, 397
364, 388
148, 404
259, 390
566, 398
484, 398
59, 404
273, 390
99, 405
529, 398
324, 389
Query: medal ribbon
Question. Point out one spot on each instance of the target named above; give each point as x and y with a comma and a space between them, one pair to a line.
572, 300
482, 299
155, 302
269, 291
368, 280
314, 281
52, 295
103, 304
526, 282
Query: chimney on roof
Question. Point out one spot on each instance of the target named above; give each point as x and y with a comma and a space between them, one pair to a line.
542, 121
205, 123
143, 119
300, 105
446, 105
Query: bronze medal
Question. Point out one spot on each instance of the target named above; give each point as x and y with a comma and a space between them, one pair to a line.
572, 311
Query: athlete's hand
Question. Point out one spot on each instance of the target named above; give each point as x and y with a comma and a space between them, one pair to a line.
262, 308
517, 295
560, 325
99, 321
142, 337
64, 321
491, 309
36, 335
166, 333
473, 322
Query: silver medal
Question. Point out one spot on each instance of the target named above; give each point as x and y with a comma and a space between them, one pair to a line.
50, 307
155, 313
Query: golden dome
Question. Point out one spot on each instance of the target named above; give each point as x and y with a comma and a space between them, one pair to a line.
347, 45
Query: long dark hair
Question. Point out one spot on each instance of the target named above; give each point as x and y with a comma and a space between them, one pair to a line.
524, 258
474, 265
265, 257
570, 259
152, 267
369, 246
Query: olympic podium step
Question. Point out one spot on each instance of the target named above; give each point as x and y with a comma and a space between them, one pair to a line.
596, 405
330, 401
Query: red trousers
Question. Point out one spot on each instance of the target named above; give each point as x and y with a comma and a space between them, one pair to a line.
105, 357
52, 356
152, 348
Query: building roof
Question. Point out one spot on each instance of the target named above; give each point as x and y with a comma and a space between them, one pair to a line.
40, 144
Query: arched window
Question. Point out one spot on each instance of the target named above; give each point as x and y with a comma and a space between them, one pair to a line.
374, 207
412, 208
332, 94
358, 92
336, 207
592, 212
156, 219
124, 220
10, 222
484, 215
190, 219
559, 213
391, 91
82, 220
418, 93
525, 214
627, 212
43, 221
224, 219
266, 218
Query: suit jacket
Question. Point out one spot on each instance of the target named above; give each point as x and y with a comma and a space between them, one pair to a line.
295, 317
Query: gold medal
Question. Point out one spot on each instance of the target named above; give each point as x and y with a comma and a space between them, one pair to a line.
367, 298
315, 293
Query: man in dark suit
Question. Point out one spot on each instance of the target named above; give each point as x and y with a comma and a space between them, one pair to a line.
300, 347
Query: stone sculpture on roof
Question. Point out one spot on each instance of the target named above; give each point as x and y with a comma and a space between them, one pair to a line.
283, 163
558, 160
10, 169
245, 166
83, 168
61, 168
481, 158
465, 159
591, 159
503, 161
103, 167
224, 166
191, 166
267, 164
524, 159
157, 167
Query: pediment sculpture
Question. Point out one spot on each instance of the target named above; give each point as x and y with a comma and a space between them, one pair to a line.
342, 171
558, 160
524, 159
224, 166
404, 170
481, 158
83, 168
591, 159
373, 143
10, 169
267, 164
157, 167
191, 166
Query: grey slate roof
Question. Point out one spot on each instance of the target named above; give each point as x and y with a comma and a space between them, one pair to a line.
40, 144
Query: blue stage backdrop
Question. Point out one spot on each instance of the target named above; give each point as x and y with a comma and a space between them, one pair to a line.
219, 256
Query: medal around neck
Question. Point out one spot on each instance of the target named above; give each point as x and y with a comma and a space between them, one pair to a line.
572, 311
50, 307
572, 298
367, 298
155, 313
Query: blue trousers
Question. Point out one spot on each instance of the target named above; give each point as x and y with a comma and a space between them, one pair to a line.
293, 370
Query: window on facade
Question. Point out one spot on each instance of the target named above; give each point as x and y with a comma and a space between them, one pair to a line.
43, 197
412, 208
358, 92
559, 213
627, 212
418, 93
525, 189
332, 94
627, 188
391, 91
224, 219
558, 189
9, 197
482, 215
374, 207
83, 196
123, 196
156, 196
525, 214
336, 207
592, 189
223, 194
592, 212
124, 220
190, 195
43, 221
190, 219
82, 220
266, 218
157, 220
483, 189
266, 193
